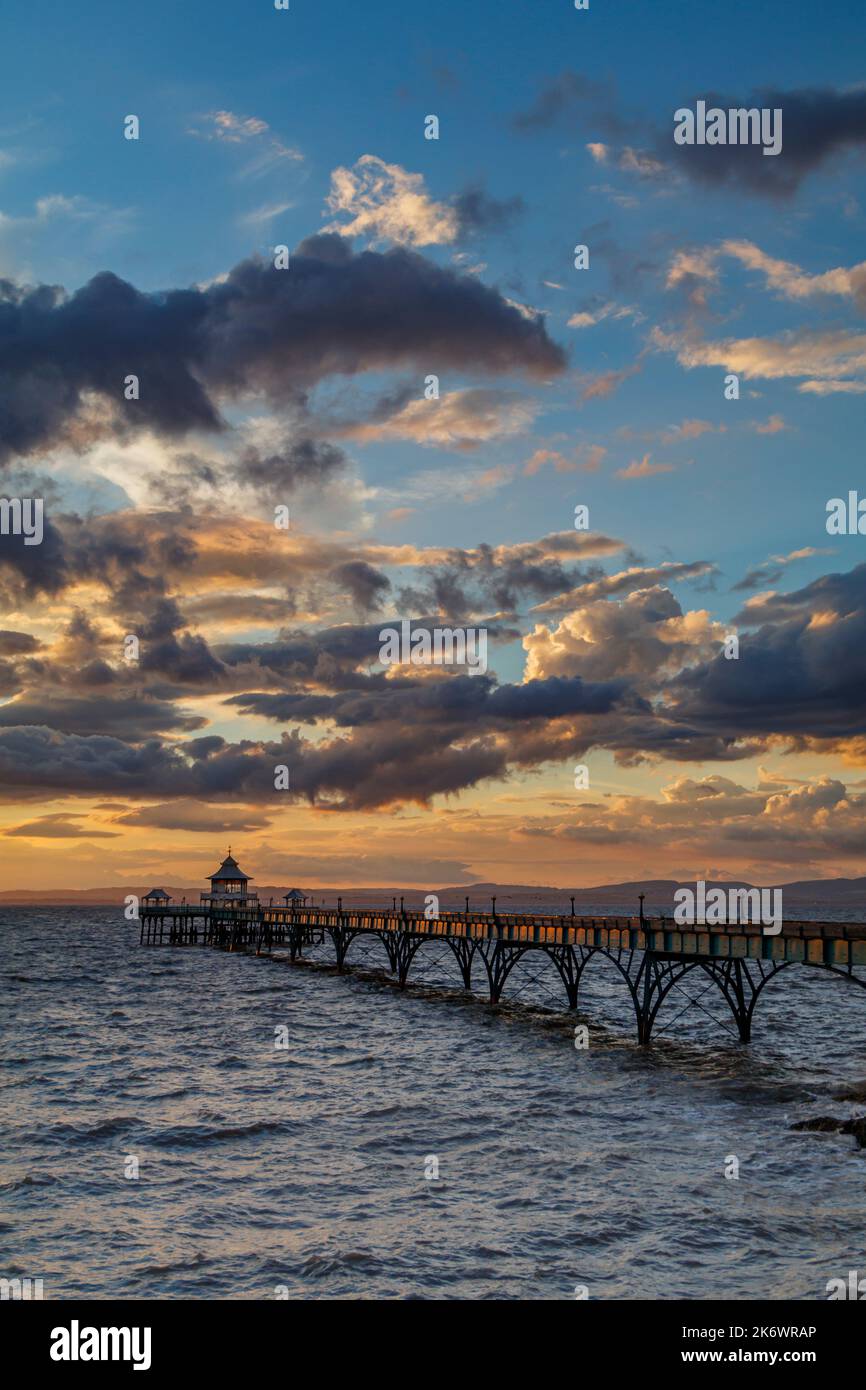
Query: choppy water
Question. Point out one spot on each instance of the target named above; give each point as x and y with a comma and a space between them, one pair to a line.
305, 1167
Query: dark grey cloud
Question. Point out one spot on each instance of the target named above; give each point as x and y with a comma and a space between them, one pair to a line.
31, 570
128, 716
758, 578
260, 330
477, 211
330, 656
17, 643
818, 124
54, 348
453, 699
186, 659
388, 765
573, 94
367, 587
491, 578
302, 654
794, 677
297, 463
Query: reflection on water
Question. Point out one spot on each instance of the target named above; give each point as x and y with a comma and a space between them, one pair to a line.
303, 1168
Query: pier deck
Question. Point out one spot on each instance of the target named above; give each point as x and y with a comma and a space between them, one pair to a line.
652, 953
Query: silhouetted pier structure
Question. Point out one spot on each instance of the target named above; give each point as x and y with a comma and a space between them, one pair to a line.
651, 954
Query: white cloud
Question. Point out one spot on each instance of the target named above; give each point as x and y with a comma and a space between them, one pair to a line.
825, 356
590, 318
266, 213
459, 420
790, 280
388, 203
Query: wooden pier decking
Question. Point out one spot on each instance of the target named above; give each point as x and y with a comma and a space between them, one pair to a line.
652, 954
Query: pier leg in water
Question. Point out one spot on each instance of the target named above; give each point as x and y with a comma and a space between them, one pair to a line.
741, 981
342, 938
406, 947
387, 940
500, 960
656, 976
570, 965
463, 949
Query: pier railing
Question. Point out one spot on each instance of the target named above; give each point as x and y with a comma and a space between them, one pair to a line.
652, 953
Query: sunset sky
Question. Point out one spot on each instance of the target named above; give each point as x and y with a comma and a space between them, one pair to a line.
305, 388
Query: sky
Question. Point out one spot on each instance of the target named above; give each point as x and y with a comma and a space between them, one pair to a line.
284, 480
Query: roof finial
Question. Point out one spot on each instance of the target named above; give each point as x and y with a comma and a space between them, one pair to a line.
230, 851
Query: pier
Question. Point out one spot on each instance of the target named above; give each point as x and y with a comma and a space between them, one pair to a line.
652, 954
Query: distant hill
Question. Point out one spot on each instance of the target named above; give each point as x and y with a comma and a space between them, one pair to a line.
824, 893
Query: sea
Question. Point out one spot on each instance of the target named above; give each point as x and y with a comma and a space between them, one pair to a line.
184, 1123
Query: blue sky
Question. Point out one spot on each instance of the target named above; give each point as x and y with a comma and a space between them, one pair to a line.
340, 80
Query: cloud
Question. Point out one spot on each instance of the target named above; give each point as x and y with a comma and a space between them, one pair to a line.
454, 699
645, 634
644, 469
266, 213
628, 159
462, 419
716, 820
248, 133
791, 282
801, 673
694, 273
672, 434
832, 387
771, 572
478, 211
572, 94
57, 207
587, 458
17, 643
637, 577
386, 202
61, 826
698, 271
626, 669
193, 817
774, 425
590, 317
127, 716
605, 384
358, 867
234, 129
366, 587
258, 330
640, 162
824, 355
819, 124
291, 464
